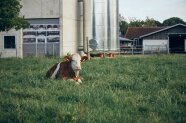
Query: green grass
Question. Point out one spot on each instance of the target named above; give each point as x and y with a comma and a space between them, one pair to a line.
136, 89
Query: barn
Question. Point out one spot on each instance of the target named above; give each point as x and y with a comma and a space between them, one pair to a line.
160, 39
58, 27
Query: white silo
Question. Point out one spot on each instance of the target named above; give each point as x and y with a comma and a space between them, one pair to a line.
101, 23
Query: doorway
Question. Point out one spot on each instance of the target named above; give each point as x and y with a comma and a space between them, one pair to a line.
41, 40
177, 43
185, 45
41, 46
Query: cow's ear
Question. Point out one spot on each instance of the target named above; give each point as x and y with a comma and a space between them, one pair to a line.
84, 58
67, 58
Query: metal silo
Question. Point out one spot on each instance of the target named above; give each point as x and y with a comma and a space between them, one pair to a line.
101, 23
113, 25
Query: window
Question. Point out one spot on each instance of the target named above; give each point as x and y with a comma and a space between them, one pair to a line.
9, 42
49, 31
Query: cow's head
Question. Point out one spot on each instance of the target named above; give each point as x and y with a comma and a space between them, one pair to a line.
76, 60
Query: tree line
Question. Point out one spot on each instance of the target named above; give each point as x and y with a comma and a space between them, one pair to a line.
148, 22
10, 9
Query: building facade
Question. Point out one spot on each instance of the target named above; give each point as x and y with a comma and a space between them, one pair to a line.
58, 27
170, 39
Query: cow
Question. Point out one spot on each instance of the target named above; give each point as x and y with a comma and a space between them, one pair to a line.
67, 69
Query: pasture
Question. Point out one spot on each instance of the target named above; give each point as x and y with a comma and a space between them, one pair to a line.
135, 89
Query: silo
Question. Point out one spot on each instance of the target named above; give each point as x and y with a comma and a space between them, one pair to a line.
113, 25
101, 23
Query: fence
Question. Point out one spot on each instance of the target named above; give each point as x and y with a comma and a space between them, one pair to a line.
131, 50
40, 49
155, 49
147, 49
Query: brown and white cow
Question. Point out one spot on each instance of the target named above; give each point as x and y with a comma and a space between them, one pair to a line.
68, 69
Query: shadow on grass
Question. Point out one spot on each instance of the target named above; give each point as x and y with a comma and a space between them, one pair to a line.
122, 86
69, 98
19, 95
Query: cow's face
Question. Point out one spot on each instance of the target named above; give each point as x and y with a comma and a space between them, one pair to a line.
76, 63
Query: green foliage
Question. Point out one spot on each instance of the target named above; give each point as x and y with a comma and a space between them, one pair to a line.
136, 23
141, 89
9, 15
123, 27
133, 23
172, 21
158, 24
150, 22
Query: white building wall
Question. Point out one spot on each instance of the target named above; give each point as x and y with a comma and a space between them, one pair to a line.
154, 44
18, 51
70, 26
40, 8
68, 13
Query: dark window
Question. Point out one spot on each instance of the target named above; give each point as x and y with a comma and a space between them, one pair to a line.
29, 40
53, 39
9, 42
53, 33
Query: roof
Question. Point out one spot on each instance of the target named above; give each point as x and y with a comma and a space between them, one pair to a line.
147, 34
124, 39
136, 32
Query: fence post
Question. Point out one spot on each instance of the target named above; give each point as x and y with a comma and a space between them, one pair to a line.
143, 49
36, 49
53, 49
45, 48
151, 50
16, 49
88, 50
103, 48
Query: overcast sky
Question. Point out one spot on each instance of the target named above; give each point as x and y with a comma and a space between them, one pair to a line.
157, 9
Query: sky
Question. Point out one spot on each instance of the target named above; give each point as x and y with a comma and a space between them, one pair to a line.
159, 10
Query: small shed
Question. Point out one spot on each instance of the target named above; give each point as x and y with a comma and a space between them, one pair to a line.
134, 33
171, 39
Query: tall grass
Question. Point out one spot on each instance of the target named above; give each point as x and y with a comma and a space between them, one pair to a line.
123, 89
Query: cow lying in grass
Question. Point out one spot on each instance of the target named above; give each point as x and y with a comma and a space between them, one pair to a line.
68, 69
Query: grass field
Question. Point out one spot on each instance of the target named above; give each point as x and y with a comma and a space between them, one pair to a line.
134, 89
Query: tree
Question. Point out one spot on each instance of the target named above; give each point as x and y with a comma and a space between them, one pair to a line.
150, 22
9, 15
172, 21
135, 23
159, 24
123, 27
123, 24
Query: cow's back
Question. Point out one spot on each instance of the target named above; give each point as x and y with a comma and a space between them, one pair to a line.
65, 71
51, 70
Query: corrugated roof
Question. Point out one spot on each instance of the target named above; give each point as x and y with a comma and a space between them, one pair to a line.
124, 39
183, 25
136, 32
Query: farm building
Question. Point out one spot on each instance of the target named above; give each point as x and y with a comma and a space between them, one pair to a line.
159, 39
58, 27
